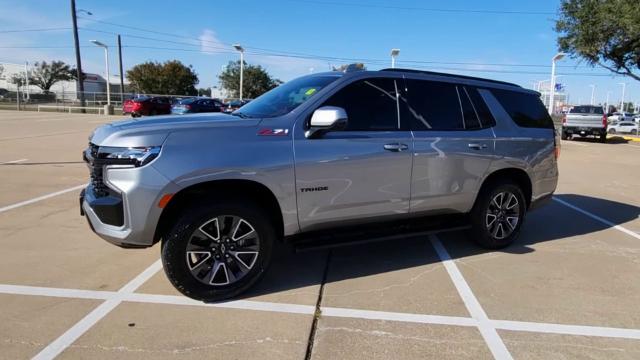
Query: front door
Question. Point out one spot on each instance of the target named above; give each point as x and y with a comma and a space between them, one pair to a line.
361, 172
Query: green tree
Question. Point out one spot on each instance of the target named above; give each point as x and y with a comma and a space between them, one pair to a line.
44, 75
170, 78
256, 80
602, 32
204, 92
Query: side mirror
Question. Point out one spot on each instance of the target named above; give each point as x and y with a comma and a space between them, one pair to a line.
325, 119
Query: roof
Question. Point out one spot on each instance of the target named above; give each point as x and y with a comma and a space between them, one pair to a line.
450, 75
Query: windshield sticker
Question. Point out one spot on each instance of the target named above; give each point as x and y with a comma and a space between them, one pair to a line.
310, 92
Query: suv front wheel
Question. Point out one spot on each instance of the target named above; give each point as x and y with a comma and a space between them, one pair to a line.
497, 215
218, 251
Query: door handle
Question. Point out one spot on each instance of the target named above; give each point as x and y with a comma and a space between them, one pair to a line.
396, 147
477, 146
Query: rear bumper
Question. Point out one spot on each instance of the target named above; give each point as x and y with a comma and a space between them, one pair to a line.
584, 130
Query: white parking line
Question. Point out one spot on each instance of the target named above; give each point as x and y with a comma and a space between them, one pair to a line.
598, 218
57, 346
572, 143
545, 328
40, 198
13, 161
488, 332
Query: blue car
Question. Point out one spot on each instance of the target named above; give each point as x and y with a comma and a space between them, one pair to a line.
197, 105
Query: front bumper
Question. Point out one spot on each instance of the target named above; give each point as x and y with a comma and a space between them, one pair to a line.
128, 215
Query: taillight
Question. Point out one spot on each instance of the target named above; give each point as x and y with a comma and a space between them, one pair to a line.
188, 107
604, 120
564, 119
137, 105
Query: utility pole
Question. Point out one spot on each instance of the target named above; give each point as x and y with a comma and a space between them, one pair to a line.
80, 88
26, 78
121, 76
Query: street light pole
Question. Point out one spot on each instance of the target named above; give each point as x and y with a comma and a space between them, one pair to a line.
593, 90
76, 41
624, 86
26, 78
606, 109
106, 65
121, 75
241, 50
557, 57
394, 55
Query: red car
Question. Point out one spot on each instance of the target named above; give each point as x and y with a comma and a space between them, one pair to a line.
146, 105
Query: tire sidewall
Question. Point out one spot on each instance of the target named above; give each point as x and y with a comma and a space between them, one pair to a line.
479, 232
174, 250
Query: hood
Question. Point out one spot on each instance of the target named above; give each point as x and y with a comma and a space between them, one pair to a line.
152, 131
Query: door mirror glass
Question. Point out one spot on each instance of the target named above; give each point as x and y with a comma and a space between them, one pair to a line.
325, 119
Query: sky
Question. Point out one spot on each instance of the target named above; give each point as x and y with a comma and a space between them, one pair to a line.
291, 38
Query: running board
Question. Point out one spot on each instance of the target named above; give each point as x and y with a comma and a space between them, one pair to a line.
363, 235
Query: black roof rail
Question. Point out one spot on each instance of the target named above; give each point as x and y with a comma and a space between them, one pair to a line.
450, 75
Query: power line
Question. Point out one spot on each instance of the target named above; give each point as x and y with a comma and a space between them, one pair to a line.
415, 8
34, 30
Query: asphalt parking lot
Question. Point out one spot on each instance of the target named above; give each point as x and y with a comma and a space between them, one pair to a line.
568, 288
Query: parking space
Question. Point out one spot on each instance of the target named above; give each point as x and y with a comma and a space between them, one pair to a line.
567, 288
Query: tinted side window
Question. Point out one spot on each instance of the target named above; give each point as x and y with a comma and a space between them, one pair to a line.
432, 105
486, 119
526, 110
370, 104
471, 121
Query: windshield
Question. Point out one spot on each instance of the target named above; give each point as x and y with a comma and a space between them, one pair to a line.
285, 97
586, 110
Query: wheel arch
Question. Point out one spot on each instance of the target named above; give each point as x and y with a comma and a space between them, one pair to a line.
227, 188
519, 176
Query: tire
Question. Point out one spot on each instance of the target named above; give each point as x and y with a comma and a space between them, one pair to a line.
486, 233
603, 138
197, 273
564, 136
612, 131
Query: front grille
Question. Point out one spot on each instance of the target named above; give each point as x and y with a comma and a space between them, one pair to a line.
96, 166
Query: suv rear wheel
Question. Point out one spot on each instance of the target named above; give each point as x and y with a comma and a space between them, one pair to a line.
218, 251
497, 215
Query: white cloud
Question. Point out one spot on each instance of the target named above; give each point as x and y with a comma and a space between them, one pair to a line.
210, 44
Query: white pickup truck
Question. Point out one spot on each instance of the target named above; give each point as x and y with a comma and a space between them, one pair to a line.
585, 120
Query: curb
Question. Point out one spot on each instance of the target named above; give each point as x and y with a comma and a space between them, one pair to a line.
628, 138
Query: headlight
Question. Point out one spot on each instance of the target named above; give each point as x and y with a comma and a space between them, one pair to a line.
138, 156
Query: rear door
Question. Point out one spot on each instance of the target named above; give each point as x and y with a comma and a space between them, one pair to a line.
361, 172
453, 144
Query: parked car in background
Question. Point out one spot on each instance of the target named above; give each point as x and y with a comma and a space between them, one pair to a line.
585, 120
235, 105
146, 105
197, 105
624, 127
3, 93
619, 116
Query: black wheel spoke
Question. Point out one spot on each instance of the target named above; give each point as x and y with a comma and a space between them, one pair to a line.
222, 250
502, 215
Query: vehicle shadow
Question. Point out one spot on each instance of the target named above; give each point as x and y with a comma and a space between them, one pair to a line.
554, 222
615, 139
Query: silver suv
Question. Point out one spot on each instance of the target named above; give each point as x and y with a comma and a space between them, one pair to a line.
323, 157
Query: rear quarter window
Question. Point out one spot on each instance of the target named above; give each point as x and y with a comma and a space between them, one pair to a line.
526, 110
